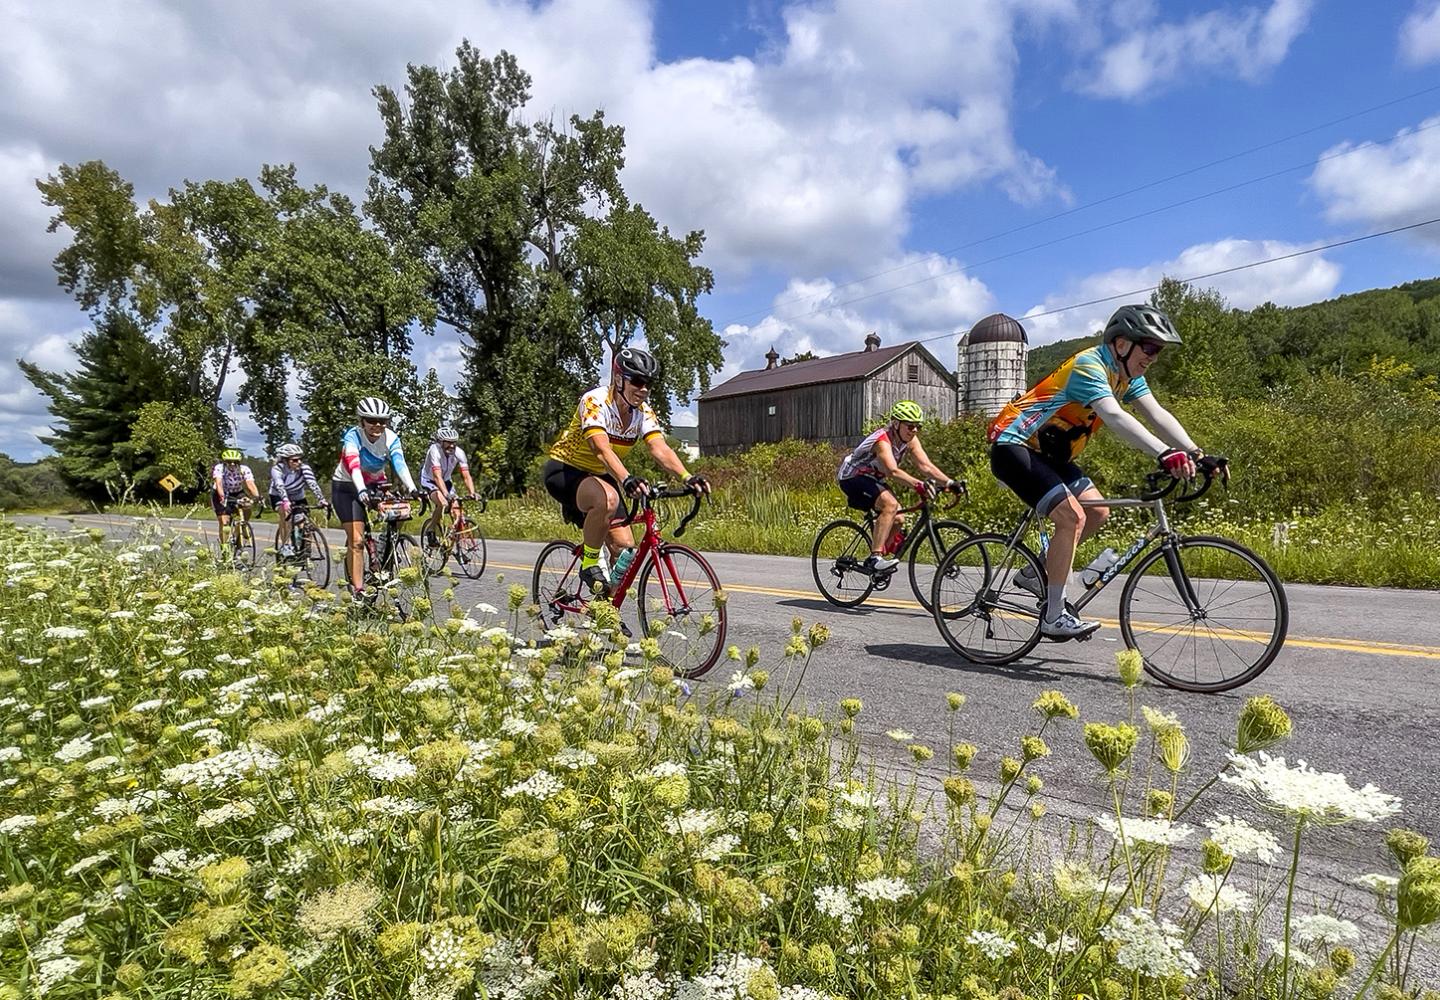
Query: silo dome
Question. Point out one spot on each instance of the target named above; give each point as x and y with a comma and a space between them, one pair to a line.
997, 328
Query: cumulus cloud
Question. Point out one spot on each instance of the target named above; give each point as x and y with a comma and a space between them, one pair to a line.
1150, 56
828, 318
1287, 283
1390, 185
45, 335
1420, 34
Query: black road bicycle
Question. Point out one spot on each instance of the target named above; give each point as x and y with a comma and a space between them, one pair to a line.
237, 545
842, 547
385, 555
1206, 613
311, 558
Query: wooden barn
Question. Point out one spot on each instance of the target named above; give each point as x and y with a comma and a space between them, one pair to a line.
834, 399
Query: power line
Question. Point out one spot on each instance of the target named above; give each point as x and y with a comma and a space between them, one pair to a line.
941, 254
1214, 274
970, 268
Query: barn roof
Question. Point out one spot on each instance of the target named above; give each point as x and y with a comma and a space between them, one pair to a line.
836, 368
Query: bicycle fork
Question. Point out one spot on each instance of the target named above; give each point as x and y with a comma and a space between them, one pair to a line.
1181, 579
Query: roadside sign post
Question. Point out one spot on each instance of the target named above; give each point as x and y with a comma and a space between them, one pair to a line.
170, 483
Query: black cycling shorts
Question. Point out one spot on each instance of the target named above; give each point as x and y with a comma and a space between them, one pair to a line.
861, 492
1039, 480
346, 501
562, 481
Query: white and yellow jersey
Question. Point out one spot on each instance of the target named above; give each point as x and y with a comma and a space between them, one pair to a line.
598, 411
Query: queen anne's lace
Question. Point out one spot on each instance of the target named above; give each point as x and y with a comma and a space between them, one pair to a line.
1319, 796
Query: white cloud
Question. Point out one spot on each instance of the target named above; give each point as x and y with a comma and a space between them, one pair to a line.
938, 300
46, 336
1287, 283
1390, 185
1150, 56
1420, 34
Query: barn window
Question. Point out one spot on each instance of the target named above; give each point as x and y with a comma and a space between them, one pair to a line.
912, 373
772, 411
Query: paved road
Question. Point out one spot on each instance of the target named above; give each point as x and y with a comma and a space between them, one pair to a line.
1358, 675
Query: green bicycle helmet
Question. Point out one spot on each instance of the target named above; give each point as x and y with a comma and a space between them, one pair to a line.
231, 455
907, 410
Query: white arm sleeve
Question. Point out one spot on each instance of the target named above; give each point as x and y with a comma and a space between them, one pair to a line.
1126, 427
1163, 422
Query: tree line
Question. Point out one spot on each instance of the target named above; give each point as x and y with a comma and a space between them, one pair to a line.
515, 234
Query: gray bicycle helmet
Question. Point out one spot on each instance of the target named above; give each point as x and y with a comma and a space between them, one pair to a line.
1141, 322
445, 433
632, 362
288, 451
372, 408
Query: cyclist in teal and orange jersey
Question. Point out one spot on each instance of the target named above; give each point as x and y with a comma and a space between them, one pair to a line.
1036, 438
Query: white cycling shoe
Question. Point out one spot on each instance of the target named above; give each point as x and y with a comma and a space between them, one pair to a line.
1067, 626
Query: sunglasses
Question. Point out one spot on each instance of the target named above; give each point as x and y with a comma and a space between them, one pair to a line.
1150, 347
639, 383
910, 424
373, 423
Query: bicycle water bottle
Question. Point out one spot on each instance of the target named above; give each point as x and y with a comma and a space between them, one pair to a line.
1091, 574
897, 539
622, 563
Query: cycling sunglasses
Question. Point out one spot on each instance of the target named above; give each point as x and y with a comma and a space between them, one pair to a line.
1150, 347
637, 382
373, 422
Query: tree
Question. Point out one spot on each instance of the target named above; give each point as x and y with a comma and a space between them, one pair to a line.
538, 259
799, 356
120, 371
171, 439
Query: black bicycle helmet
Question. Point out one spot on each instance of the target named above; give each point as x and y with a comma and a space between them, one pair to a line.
1141, 322
632, 362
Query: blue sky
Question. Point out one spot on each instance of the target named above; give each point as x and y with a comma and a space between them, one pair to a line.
849, 161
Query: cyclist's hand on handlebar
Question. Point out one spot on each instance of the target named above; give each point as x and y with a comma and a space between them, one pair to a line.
925, 489
1214, 465
699, 484
635, 486
364, 497
1178, 463
956, 486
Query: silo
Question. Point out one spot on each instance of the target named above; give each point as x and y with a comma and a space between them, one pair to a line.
960, 373
992, 364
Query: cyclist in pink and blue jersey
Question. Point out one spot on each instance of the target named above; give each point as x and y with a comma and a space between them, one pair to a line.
366, 450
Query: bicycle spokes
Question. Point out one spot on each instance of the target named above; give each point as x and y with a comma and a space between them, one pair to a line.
982, 613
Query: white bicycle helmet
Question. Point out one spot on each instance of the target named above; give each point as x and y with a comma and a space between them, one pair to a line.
445, 433
372, 408
288, 451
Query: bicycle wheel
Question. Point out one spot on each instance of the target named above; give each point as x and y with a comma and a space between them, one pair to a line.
924, 556
555, 586
435, 546
682, 608
243, 543
469, 551
835, 561
396, 554
981, 613
1225, 634
313, 558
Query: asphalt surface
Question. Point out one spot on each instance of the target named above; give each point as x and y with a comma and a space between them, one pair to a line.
1358, 676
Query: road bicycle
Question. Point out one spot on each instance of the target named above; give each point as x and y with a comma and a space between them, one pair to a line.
681, 605
842, 546
1206, 613
459, 537
311, 552
387, 553
237, 545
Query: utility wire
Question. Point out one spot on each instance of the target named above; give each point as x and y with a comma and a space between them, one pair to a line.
1369, 144
941, 254
1214, 274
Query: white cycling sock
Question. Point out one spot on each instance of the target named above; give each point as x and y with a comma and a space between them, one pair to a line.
1054, 601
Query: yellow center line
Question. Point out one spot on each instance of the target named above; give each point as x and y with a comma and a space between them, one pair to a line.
1374, 647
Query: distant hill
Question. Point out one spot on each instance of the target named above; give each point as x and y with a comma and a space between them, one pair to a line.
1276, 344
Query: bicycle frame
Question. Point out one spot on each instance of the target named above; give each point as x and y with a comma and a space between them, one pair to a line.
924, 525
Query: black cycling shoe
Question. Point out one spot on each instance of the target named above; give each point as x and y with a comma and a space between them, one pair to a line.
594, 581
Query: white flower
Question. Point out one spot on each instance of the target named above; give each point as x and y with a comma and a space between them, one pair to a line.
14, 824
239, 809
513, 725
64, 632
106, 763
8, 754
1239, 839
1381, 885
277, 835
223, 769
574, 758
486, 609
421, 685
541, 785
54, 971
1159, 721
562, 633
194, 674
388, 805
87, 863
1210, 892
1145, 831
664, 769
1065, 944
994, 946
882, 887
122, 614
390, 766
835, 901
77, 749
1321, 928
719, 847
1296, 956
1320, 796
849, 820
147, 706
740, 681
900, 735
1151, 949
854, 794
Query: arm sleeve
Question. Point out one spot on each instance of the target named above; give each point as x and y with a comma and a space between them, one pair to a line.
310, 480
1163, 422
217, 481
397, 461
460, 460
1126, 427
350, 458
277, 480
248, 475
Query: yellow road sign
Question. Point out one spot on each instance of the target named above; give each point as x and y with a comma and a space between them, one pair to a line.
170, 484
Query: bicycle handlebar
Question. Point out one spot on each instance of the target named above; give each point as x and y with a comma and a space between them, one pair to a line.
660, 491
1162, 484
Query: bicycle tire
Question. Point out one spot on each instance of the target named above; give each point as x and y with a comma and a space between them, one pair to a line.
315, 556
555, 581
243, 540
434, 553
848, 546
469, 552
965, 594
1272, 643
709, 639
950, 534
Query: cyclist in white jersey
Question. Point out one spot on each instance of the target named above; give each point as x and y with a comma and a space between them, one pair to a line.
230, 480
437, 473
863, 474
290, 477
365, 451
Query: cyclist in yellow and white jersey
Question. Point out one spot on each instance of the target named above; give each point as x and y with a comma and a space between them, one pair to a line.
586, 472
229, 480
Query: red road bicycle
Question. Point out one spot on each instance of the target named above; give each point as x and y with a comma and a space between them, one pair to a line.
681, 604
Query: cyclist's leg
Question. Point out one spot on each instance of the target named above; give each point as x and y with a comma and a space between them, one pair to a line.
866, 493
282, 521
432, 523
347, 507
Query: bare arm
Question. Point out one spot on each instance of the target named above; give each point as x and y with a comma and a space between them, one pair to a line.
665, 456
886, 456
923, 463
600, 442
1164, 424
